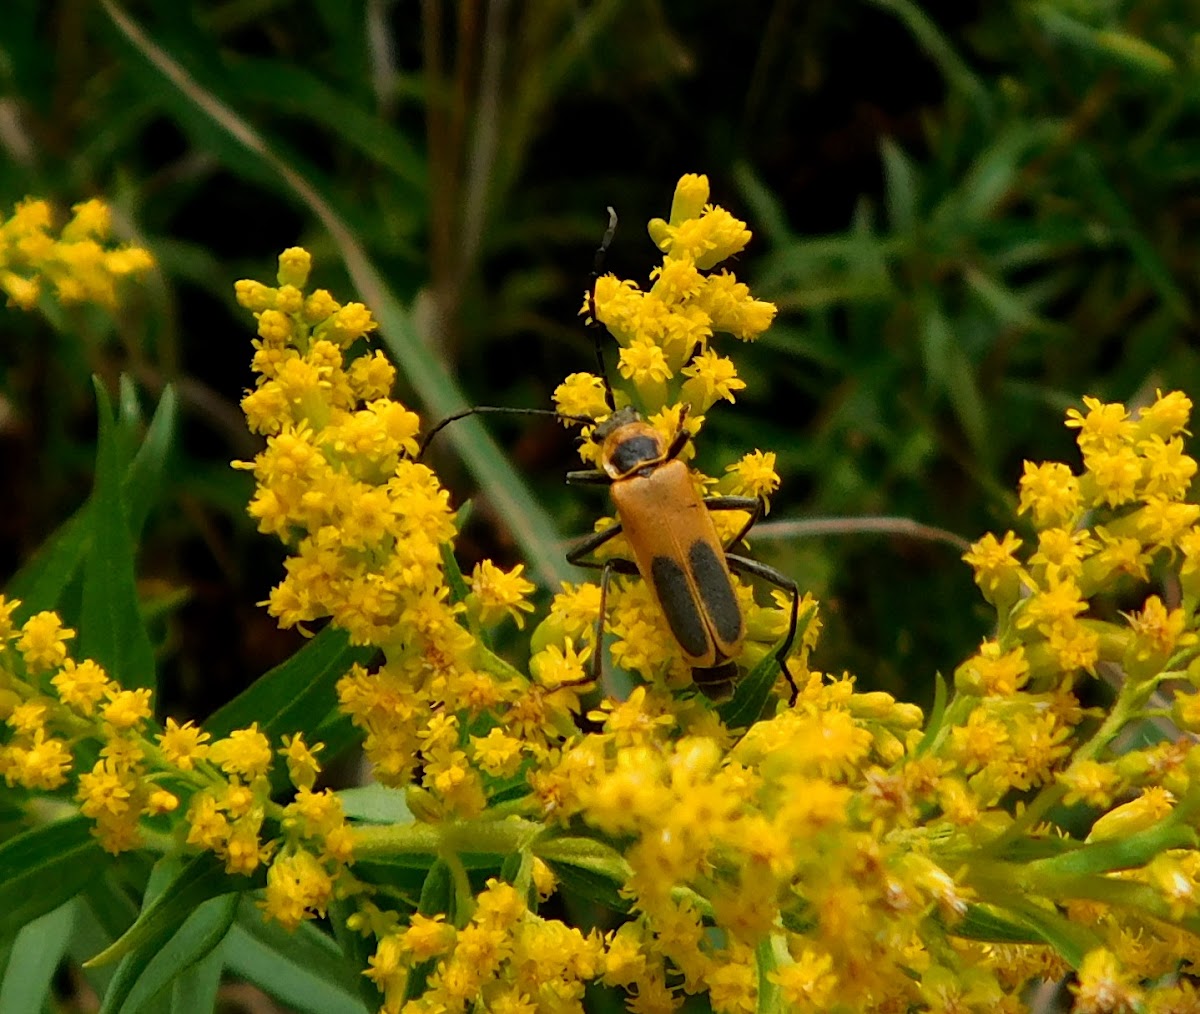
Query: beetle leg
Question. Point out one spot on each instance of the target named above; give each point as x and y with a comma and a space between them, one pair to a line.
606, 568
755, 505
589, 477
752, 568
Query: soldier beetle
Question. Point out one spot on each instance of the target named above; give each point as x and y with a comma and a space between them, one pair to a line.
671, 535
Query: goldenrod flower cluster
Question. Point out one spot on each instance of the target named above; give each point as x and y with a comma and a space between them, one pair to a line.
673, 378
72, 730
839, 852
75, 266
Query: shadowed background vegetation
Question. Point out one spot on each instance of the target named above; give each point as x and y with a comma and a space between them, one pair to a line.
970, 214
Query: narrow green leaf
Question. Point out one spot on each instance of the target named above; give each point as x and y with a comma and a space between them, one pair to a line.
937, 47
297, 694
933, 723
164, 961
111, 628
437, 893
1007, 305
900, 186
292, 87
41, 582
984, 922
752, 693
34, 958
455, 581
767, 212
589, 886
201, 878
1135, 52
42, 868
1071, 940
586, 854
304, 970
196, 988
143, 478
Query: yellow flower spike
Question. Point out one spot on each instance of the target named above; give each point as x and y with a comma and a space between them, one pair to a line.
22, 293
1165, 418
691, 195
295, 263
1136, 815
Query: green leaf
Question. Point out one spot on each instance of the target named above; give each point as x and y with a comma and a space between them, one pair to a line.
297, 694
376, 804
42, 868
196, 988
143, 477
110, 624
455, 581
437, 893
590, 868
41, 582
984, 922
34, 958
752, 693
1071, 940
900, 187
290, 86
304, 970
162, 960
201, 878
933, 724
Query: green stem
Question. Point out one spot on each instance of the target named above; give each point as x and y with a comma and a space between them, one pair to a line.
499, 837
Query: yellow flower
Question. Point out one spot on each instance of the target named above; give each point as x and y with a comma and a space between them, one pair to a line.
43, 642
1050, 492
245, 752
1102, 987
183, 745
997, 569
500, 593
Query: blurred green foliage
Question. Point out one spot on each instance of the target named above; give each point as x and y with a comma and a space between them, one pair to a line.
969, 214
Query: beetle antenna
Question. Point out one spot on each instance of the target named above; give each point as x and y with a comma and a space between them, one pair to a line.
593, 320
493, 410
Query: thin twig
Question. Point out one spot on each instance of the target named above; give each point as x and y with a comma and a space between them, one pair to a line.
905, 527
